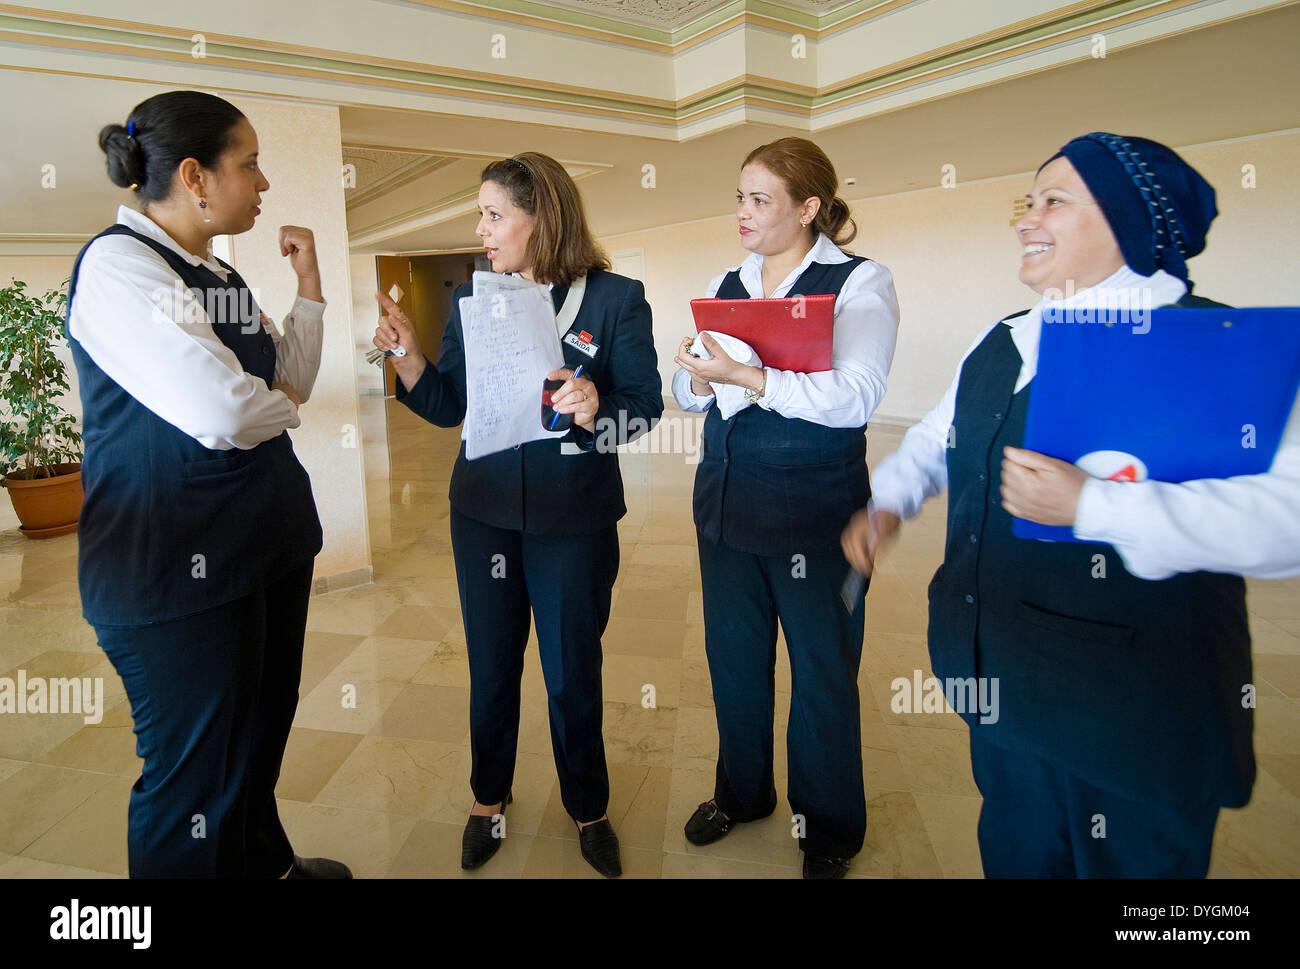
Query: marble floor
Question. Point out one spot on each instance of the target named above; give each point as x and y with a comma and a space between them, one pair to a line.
384, 785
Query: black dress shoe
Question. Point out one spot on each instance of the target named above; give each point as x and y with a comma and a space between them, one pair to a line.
477, 844
600, 847
707, 824
823, 866
318, 868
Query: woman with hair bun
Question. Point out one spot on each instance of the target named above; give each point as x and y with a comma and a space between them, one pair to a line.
198, 531
777, 482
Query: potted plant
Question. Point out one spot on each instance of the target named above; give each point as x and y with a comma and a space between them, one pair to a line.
40, 449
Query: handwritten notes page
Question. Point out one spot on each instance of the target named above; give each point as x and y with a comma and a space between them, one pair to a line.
510, 347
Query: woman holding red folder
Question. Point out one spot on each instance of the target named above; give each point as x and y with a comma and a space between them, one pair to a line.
1123, 660
777, 481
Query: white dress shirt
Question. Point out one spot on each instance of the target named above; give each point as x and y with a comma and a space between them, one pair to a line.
1247, 525
135, 318
862, 345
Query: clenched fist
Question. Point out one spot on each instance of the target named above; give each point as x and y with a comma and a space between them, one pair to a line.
299, 245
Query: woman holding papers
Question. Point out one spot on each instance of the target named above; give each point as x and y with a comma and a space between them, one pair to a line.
781, 472
1123, 661
533, 527
198, 531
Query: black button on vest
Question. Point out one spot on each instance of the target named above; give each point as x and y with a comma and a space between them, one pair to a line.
1133, 685
773, 485
170, 528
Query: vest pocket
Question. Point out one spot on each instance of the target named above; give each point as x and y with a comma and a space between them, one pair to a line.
216, 467
1087, 630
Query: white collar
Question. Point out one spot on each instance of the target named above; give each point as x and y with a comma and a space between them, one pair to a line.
1123, 289
146, 226
823, 251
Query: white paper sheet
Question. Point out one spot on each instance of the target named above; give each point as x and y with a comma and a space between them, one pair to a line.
489, 283
510, 347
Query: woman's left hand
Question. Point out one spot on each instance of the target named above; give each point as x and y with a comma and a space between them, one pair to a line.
299, 245
1039, 488
577, 397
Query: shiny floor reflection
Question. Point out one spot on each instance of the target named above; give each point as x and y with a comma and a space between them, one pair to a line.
384, 785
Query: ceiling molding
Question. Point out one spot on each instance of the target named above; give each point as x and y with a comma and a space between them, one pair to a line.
738, 13
673, 119
42, 243
463, 201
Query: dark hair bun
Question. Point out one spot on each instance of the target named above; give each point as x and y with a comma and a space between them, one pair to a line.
125, 158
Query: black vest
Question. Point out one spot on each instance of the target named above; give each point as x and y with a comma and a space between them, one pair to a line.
1135, 686
773, 485
156, 500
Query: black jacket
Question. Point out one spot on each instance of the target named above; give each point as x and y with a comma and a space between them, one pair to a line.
535, 488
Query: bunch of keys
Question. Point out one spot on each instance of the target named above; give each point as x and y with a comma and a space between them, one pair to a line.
375, 355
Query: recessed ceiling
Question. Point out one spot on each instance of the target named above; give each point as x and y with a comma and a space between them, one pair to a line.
1232, 80
1222, 82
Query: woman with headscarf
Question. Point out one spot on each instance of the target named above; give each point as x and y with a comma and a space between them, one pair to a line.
1124, 722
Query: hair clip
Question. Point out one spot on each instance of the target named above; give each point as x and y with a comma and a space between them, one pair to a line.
130, 129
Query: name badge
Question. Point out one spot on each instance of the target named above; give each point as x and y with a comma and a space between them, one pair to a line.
582, 342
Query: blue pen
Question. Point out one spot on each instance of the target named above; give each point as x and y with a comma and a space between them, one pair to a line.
576, 374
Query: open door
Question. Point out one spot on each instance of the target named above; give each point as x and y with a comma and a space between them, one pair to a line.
393, 274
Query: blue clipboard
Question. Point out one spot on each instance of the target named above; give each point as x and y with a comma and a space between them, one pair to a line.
1201, 393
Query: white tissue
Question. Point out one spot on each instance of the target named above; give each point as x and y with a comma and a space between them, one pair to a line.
729, 398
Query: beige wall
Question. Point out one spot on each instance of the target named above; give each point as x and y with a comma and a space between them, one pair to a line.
954, 259
40, 272
302, 157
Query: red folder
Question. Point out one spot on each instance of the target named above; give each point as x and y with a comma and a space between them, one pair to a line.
787, 334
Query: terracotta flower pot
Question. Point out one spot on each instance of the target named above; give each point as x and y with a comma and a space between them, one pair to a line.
47, 507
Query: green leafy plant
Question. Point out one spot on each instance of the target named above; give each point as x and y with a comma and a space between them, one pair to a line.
36, 433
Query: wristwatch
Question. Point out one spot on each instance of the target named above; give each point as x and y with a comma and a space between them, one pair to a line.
752, 396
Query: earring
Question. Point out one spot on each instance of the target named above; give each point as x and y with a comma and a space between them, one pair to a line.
804, 223
203, 204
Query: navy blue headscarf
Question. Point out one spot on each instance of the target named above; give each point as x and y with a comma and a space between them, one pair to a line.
1158, 206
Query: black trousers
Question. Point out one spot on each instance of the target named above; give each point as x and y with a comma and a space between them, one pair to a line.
567, 583
744, 596
213, 697
1038, 821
